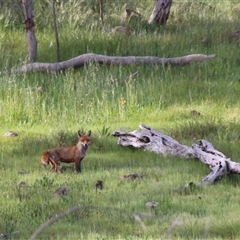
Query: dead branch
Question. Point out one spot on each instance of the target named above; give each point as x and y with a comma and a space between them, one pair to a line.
214, 159
87, 58
151, 140
129, 12
137, 216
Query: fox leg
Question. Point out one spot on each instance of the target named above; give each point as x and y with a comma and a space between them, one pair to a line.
54, 165
78, 165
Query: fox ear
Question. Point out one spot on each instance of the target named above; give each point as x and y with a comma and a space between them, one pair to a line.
89, 133
79, 134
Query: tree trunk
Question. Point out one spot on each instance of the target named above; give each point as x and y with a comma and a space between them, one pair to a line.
160, 12
81, 60
101, 10
56, 30
29, 26
150, 139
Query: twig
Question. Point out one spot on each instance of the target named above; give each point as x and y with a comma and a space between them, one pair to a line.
136, 216
130, 11
174, 225
206, 232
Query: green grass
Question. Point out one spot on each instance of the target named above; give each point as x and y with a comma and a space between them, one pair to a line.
103, 99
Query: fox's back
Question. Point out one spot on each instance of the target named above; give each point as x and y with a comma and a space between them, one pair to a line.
77, 151
65, 152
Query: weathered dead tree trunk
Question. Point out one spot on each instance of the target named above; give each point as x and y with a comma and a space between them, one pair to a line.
81, 60
150, 139
160, 12
217, 161
29, 26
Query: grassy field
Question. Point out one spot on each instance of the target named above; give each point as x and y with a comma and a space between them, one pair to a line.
103, 99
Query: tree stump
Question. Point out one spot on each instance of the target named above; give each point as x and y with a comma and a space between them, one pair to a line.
160, 12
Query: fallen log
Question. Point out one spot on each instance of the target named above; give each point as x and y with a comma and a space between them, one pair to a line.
152, 140
87, 58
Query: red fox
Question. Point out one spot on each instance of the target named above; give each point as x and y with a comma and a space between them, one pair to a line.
67, 154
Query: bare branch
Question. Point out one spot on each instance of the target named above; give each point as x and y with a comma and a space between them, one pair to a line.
81, 60
173, 226
137, 216
130, 12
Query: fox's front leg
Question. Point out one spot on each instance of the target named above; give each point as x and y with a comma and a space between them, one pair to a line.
54, 165
78, 165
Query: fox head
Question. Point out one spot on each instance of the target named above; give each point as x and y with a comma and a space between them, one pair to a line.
84, 139
45, 158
